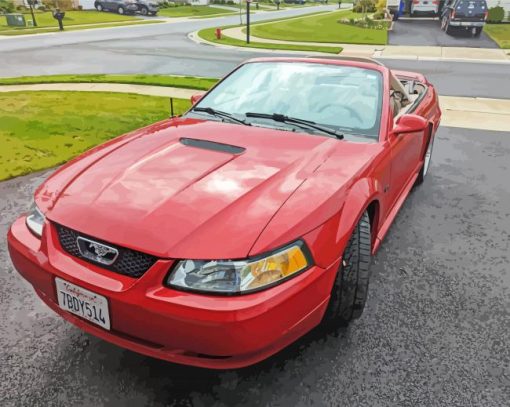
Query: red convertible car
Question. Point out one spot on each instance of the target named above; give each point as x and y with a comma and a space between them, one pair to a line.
218, 237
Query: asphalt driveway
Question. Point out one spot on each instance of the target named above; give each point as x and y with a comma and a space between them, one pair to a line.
435, 332
427, 32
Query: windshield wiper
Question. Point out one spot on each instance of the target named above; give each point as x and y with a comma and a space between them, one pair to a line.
219, 113
300, 122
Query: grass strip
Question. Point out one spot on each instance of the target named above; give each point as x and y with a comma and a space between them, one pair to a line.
186, 82
500, 33
209, 34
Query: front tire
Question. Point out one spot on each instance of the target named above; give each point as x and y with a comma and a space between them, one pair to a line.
144, 11
350, 290
121, 10
99, 7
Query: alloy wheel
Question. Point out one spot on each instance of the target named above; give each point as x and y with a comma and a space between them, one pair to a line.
428, 157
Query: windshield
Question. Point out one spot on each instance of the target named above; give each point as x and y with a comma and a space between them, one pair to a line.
341, 97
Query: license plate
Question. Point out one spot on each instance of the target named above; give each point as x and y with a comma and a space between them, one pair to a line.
84, 303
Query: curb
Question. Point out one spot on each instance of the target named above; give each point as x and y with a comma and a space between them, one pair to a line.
193, 36
378, 55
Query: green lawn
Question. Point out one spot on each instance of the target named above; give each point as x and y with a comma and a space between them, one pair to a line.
42, 129
321, 28
208, 34
72, 18
43, 30
46, 21
192, 11
187, 82
499, 33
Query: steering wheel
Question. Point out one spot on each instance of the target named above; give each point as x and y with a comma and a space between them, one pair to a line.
352, 112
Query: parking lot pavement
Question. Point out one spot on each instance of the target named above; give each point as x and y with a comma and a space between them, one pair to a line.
414, 31
435, 331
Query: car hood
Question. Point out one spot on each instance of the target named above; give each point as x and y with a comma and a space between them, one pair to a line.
170, 197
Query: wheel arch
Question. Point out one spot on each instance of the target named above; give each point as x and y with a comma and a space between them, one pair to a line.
333, 235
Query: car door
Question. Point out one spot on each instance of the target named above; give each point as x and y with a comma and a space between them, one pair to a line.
113, 4
406, 155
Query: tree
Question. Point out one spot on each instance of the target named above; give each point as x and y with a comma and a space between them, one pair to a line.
6, 6
364, 6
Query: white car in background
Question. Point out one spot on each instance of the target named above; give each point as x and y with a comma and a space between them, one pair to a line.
424, 6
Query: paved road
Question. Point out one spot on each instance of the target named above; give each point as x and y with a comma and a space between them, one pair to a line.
435, 331
173, 53
427, 32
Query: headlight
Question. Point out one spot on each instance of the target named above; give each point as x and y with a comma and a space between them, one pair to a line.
240, 276
35, 220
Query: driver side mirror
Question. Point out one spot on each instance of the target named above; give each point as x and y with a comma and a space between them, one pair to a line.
196, 97
410, 123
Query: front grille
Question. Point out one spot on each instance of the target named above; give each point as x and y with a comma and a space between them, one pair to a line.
129, 262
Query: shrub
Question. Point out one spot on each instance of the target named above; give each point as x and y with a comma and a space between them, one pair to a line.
379, 15
496, 14
60, 4
365, 23
42, 7
63, 5
6, 6
364, 6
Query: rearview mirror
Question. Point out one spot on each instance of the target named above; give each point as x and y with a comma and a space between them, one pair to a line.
410, 123
195, 98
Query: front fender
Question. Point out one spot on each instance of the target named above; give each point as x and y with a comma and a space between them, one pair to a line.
328, 241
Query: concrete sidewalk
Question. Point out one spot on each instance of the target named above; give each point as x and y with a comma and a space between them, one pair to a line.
461, 112
457, 54
149, 90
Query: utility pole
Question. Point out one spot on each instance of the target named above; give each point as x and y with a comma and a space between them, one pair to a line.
248, 21
32, 12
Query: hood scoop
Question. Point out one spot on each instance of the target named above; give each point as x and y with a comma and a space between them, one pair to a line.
212, 145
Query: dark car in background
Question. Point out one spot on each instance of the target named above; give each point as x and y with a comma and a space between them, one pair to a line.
464, 14
143, 7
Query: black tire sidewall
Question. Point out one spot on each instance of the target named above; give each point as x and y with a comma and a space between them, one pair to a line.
350, 289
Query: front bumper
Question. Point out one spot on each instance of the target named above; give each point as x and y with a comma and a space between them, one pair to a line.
148, 318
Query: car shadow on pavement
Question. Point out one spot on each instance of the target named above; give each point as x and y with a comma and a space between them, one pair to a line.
169, 383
